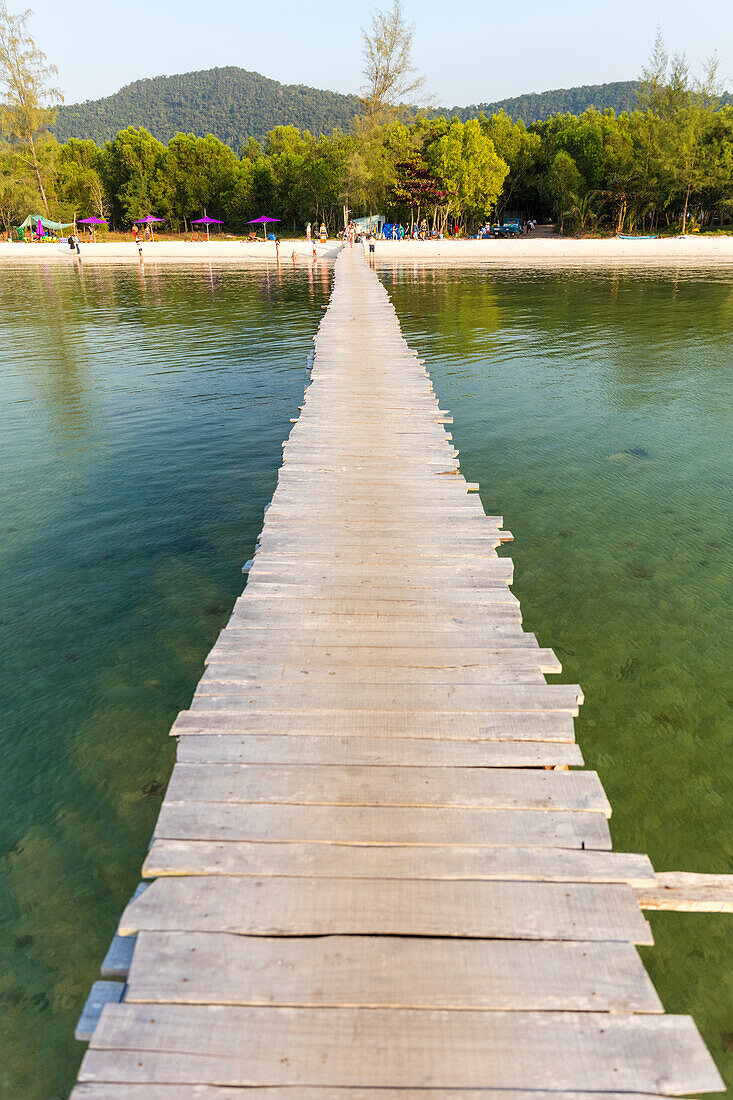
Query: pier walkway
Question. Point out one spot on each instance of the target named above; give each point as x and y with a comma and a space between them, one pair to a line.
375, 875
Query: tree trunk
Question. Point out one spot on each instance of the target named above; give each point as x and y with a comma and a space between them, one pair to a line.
36, 166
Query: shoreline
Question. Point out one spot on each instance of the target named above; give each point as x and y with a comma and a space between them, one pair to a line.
542, 250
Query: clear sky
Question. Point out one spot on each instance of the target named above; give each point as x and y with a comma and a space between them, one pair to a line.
470, 51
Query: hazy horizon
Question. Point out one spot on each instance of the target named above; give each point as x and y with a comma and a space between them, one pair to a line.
538, 49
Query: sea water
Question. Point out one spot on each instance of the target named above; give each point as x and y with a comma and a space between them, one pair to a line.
142, 416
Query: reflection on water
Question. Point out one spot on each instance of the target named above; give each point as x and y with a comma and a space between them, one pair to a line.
143, 411
595, 410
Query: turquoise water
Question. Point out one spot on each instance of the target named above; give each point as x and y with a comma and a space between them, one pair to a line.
142, 418
596, 411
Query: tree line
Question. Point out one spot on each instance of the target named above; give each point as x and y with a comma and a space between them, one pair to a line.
667, 164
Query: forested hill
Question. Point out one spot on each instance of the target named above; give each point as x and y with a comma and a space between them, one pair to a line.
536, 106
235, 104
230, 103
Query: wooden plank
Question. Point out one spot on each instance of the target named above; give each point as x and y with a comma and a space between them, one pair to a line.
381, 825
444, 725
389, 595
321, 660
363, 785
219, 673
414, 907
482, 698
101, 994
439, 1049
338, 971
118, 958
686, 892
355, 635
116, 1091
389, 751
207, 857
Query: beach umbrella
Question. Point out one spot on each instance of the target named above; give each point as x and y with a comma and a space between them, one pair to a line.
263, 220
207, 221
39, 228
94, 222
149, 219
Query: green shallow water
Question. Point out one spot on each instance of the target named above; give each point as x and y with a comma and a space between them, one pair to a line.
142, 416
595, 409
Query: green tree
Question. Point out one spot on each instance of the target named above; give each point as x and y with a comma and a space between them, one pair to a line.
389, 74
469, 168
134, 173
25, 78
201, 173
79, 186
563, 180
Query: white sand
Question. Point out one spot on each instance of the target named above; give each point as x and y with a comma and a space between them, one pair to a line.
563, 251
555, 250
237, 252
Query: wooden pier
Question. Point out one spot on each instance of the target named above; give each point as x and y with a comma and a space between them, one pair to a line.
374, 875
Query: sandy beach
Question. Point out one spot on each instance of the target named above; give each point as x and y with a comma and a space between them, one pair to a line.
542, 250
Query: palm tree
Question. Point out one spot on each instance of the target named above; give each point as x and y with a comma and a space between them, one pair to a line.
584, 209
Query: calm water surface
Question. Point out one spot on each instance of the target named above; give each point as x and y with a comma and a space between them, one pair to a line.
142, 419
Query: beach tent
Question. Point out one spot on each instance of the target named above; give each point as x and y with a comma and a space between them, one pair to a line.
33, 219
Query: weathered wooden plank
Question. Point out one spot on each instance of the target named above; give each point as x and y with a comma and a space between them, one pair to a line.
101, 994
381, 825
446, 725
338, 971
686, 892
363, 785
412, 907
207, 857
483, 698
114, 1091
231, 653
389, 751
355, 635
426, 1048
389, 597
118, 958
242, 672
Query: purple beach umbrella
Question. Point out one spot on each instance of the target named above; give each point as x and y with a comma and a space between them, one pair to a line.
94, 222
263, 220
148, 220
207, 221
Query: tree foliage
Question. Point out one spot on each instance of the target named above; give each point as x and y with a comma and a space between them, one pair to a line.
667, 164
27, 93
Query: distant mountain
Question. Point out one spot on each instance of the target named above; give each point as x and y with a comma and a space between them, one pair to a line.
231, 103
536, 106
235, 104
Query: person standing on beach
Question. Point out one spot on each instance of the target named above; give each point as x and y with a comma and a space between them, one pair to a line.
308, 231
70, 241
139, 242
372, 249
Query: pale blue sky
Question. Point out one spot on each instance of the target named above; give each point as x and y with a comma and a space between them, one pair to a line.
99, 45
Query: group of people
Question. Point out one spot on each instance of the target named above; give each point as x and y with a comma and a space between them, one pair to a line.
73, 242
